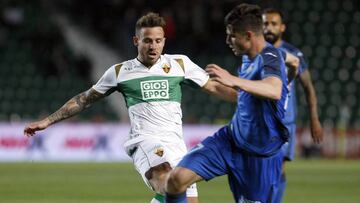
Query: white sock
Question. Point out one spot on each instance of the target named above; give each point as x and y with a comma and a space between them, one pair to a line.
158, 199
155, 201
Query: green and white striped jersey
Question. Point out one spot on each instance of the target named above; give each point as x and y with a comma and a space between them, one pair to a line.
153, 94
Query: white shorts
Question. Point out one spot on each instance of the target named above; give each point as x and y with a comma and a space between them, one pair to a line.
149, 153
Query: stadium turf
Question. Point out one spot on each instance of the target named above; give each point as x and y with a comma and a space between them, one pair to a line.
320, 181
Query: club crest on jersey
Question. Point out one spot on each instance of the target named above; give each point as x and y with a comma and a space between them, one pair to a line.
166, 68
159, 152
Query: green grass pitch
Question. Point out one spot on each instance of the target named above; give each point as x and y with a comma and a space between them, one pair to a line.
320, 181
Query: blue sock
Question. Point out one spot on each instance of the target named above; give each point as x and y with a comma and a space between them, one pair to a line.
281, 189
179, 198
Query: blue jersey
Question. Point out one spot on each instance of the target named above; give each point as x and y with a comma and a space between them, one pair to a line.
257, 125
290, 114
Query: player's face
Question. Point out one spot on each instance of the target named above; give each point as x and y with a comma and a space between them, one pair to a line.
150, 43
273, 27
238, 42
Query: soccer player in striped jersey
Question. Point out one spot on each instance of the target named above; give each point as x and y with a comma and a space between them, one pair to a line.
248, 150
151, 85
274, 28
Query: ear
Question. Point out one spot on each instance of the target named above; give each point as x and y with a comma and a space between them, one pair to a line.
136, 41
248, 35
283, 27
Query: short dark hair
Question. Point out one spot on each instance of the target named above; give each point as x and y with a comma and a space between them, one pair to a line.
277, 11
150, 20
245, 17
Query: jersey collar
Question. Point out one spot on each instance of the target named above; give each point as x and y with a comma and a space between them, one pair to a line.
138, 62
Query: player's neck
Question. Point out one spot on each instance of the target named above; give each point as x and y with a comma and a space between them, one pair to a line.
145, 63
277, 43
258, 45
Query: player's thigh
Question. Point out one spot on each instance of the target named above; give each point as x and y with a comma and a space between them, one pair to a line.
255, 178
183, 176
150, 156
210, 158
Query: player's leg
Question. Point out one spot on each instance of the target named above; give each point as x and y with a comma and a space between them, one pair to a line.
158, 198
178, 182
157, 177
205, 161
150, 161
289, 154
154, 160
282, 185
259, 177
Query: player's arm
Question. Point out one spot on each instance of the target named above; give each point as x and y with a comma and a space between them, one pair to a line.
268, 88
316, 129
221, 91
198, 76
292, 63
72, 107
105, 86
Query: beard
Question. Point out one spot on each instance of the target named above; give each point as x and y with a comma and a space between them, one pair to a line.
271, 37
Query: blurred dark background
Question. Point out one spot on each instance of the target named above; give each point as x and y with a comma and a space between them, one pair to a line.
40, 69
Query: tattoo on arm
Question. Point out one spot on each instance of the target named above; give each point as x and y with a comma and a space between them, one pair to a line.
75, 105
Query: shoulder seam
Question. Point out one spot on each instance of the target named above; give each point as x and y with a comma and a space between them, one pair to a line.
181, 63
117, 69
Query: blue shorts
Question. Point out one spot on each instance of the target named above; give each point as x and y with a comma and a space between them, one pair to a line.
289, 147
251, 178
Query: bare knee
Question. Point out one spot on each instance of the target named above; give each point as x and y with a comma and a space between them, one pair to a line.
175, 183
158, 176
179, 179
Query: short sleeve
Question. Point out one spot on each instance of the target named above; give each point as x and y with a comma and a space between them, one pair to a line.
272, 63
283, 54
107, 83
193, 73
303, 65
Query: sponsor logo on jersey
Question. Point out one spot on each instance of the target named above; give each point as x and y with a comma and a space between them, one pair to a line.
166, 68
159, 152
155, 89
249, 69
271, 54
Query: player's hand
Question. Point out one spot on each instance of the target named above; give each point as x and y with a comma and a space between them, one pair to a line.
316, 132
36, 126
220, 75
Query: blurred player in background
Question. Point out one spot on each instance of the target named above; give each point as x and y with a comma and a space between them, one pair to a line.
248, 150
151, 84
274, 28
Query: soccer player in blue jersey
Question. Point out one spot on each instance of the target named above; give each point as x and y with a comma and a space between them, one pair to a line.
248, 150
274, 28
